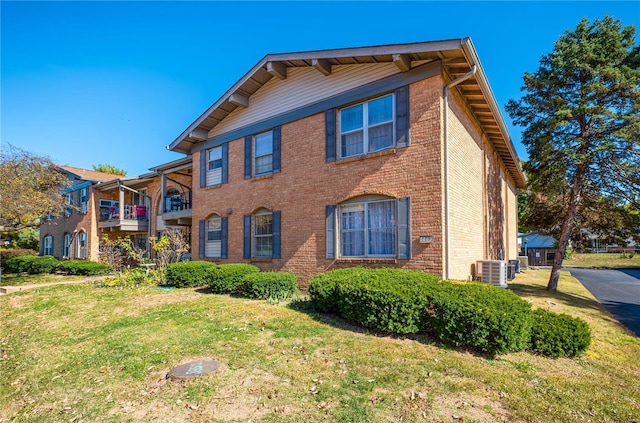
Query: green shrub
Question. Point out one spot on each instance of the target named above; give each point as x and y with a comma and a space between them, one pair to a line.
482, 316
391, 300
43, 264
228, 278
15, 252
559, 335
271, 286
323, 288
84, 267
189, 273
18, 264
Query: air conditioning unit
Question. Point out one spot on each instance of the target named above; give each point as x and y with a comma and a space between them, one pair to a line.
493, 272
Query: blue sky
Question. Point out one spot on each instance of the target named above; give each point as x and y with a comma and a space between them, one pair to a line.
115, 82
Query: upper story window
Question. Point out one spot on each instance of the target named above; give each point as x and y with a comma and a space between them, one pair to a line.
262, 153
367, 127
68, 200
214, 166
263, 156
84, 200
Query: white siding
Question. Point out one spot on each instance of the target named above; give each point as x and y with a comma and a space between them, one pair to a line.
303, 86
160, 225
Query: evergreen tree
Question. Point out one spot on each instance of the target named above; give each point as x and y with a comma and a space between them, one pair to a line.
581, 117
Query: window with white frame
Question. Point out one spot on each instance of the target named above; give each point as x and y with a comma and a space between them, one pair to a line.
213, 247
214, 166
81, 251
47, 249
68, 200
367, 127
368, 229
263, 153
263, 234
66, 245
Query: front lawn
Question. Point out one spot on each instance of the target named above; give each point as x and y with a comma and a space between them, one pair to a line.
83, 353
603, 260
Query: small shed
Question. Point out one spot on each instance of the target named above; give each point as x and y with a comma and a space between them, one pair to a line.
540, 249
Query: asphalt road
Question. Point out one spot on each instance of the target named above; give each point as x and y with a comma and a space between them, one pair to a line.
617, 290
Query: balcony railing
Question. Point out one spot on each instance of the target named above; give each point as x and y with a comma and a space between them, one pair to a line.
131, 212
178, 202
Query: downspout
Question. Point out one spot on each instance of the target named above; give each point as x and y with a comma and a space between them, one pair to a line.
447, 226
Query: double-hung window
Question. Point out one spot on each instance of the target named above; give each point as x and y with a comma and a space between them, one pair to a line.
214, 165
47, 249
368, 229
84, 200
66, 245
214, 237
263, 235
367, 127
81, 252
263, 156
69, 202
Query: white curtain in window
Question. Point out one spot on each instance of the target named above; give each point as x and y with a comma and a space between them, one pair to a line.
381, 137
352, 230
381, 224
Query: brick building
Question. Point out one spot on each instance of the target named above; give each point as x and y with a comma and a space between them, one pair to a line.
392, 156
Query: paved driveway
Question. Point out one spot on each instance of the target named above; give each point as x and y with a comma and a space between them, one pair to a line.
617, 290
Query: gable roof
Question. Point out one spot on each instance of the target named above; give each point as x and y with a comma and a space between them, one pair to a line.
89, 175
456, 56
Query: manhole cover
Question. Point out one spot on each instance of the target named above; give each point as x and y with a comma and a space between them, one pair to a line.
193, 369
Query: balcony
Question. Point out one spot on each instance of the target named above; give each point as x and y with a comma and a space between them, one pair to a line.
135, 218
177, 210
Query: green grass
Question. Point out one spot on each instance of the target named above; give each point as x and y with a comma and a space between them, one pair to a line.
604, 260
82, 353
21, 279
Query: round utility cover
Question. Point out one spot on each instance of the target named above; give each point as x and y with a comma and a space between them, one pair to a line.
193, 369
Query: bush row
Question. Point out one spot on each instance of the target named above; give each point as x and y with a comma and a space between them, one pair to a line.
48, 264
233, 278
491, 319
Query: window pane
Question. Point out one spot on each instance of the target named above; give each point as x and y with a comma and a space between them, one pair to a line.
380, 110
214, 229
382, 232
264, 164
352, 230
264, 246
381, 137
351, 118
352, 144
264, 224
215, 154
264, 144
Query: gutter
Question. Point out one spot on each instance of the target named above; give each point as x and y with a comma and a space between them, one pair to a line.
445, 94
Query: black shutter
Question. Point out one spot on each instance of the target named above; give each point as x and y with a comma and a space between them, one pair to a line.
225, 163
248, 155
404, 228
225, 236
246, 232
276, 149
330, 232
330, 135
402, 116
276, 234
203, 168
201, 239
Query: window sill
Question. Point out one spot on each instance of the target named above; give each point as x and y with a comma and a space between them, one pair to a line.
260, 177
261, 260
381, 153
213, 186
368, 260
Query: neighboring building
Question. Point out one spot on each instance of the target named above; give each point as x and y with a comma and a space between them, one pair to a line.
393, 156
540, 249
118, 206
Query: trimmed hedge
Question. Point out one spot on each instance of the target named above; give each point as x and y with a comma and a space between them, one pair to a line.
228, 278
84, 267
392, 300
43, 264
559, 335
270, 286
15, 252
189, 273
489, 318
18, 264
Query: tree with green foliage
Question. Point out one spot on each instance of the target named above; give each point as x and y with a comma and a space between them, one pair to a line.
30, 189
581, 117
107, 168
